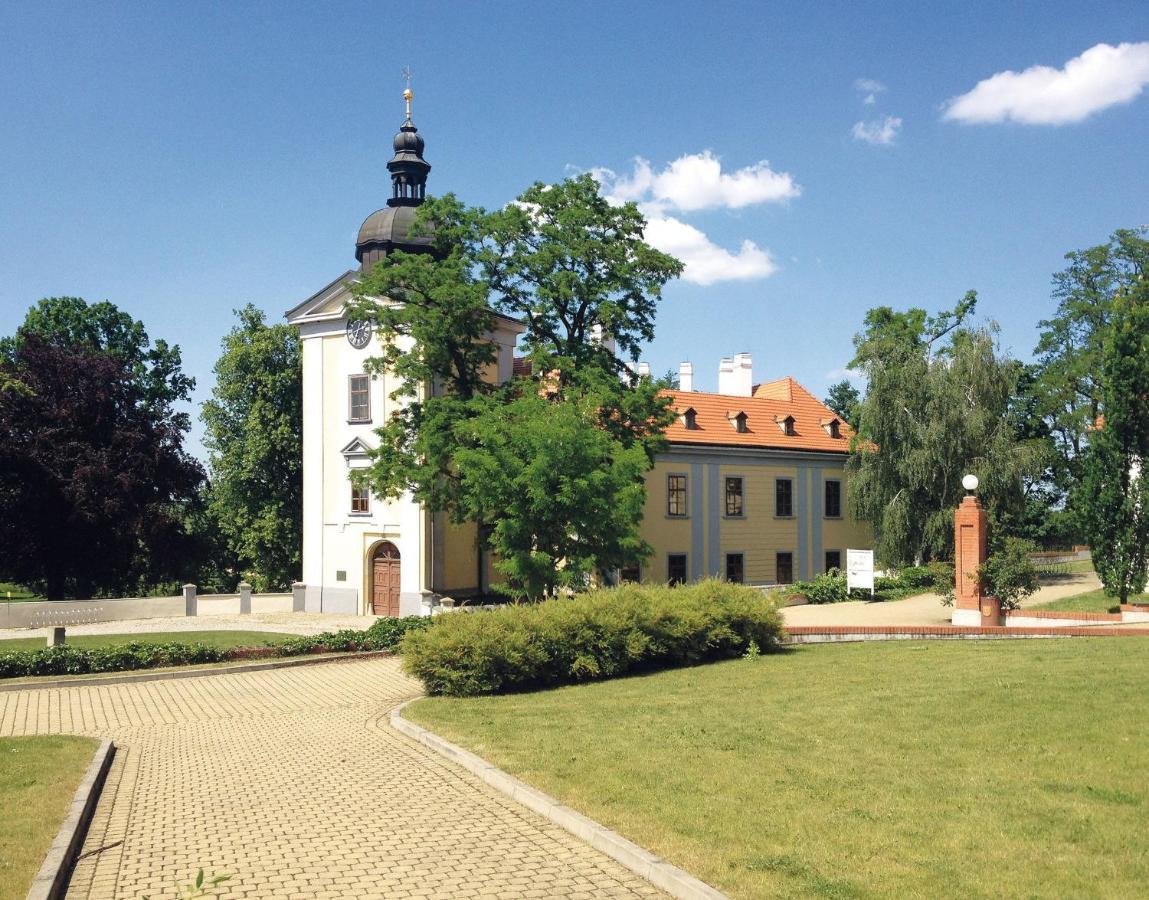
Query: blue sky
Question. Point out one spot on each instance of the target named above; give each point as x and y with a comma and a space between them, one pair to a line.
181, 160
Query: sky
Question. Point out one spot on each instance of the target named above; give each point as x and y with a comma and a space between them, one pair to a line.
808, 161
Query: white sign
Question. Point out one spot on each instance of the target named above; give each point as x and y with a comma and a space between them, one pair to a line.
860, 570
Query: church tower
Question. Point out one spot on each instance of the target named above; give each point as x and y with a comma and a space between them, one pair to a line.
390, 228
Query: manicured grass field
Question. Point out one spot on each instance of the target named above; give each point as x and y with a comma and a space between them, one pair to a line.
1093, 601
1016, 768
210, 638
38, 776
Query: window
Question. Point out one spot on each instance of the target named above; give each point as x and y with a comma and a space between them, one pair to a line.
784, 568
690, 418
631, 573
676, 568
835, 429
676, 495
833, 560
833, 500
734, 496
359, 393
734, 567
738, 420
360, 500
786, 425
783, 497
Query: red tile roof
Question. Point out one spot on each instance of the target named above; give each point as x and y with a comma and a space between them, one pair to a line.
771, 402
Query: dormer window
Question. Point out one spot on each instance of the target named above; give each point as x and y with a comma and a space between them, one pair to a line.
737, 418
689, 418
833, 427
786, 425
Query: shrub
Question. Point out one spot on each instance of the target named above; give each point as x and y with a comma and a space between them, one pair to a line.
385, 634
916, 577
829, 587
1009, 573
601, 634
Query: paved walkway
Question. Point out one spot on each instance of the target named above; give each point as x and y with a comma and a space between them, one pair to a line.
923, 609
291, 781
284, 622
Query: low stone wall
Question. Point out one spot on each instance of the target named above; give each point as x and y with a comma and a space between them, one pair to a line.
1051, 618
49, 613
833, 634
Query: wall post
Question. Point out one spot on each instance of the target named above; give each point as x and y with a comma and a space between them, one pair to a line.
970, 532
298, 596
190, 604
244, 598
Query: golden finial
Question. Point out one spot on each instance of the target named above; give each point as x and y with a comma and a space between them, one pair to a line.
408, 93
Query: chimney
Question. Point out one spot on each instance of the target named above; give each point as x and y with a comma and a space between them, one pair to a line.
604, 338
686, 376
736, 375
644, 370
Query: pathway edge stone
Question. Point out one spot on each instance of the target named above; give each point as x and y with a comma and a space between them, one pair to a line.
675, 881
51, 881
96, 680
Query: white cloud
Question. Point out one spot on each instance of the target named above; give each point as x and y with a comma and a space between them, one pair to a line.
835, 375
706, 262
696, 181
1101, 77
879, 132
868, 86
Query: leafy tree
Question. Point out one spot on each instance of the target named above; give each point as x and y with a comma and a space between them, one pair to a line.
94, 480
935, 408
563, 496
568, 265
254, 435
1070, 388
844, 399
71, 322
1113, 498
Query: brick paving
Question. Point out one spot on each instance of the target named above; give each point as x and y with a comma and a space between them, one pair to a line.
292, 781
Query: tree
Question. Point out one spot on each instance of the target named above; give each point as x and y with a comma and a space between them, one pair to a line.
1113, 498
844, 399
254, 436
1069, 387
935, 409
572, 268
93, 477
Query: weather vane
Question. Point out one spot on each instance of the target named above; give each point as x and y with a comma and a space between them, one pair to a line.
408, 93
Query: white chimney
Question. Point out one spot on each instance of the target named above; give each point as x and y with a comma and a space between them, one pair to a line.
726, 376
601, 336
686, 376
736, 375
644, 370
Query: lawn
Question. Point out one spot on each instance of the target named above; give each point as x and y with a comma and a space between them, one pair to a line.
1092, 601
16, 593
1015, 768
38, 777
210, 638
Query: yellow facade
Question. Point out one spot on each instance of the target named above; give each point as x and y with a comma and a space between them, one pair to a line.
707, 535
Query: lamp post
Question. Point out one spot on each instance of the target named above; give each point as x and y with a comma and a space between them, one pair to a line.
970, 532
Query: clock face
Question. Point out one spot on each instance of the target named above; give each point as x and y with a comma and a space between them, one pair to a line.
358, 333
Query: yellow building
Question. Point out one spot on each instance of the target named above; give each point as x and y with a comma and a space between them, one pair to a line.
752, 488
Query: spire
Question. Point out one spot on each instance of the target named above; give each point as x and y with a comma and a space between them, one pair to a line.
407, 167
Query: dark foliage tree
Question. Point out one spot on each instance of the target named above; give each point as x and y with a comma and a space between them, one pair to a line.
94, 481
844, 399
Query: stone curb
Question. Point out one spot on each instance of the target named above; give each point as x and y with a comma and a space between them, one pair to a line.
164, 675
52, 880
657, 871
844, 634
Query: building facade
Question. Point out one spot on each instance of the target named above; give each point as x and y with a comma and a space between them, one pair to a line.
751, 489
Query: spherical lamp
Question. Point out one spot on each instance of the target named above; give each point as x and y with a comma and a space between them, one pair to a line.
969, 482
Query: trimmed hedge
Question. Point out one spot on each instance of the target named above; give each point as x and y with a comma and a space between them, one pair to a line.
602, 634
385, 634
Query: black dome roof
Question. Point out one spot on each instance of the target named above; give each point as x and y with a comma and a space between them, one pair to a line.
390, 228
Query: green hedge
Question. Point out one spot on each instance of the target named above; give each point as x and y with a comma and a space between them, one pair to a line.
385, 634
830, 587
601, 634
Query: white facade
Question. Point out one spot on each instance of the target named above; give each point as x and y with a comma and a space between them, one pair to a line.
339, 542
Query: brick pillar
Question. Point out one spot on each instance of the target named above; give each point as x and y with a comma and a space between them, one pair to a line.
969, 553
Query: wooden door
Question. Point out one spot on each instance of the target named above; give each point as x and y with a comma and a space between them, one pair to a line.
385, 580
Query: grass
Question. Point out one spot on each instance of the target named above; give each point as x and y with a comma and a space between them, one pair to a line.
38, 777
210, 638
1091, 601
865, 770
16, 593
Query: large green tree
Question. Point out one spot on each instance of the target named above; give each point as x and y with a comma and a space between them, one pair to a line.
254, 436
936, 408
573, 269
95, 486
1069, 387
844, 399
1113, 497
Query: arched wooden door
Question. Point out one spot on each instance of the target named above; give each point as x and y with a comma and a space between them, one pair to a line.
385, 580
